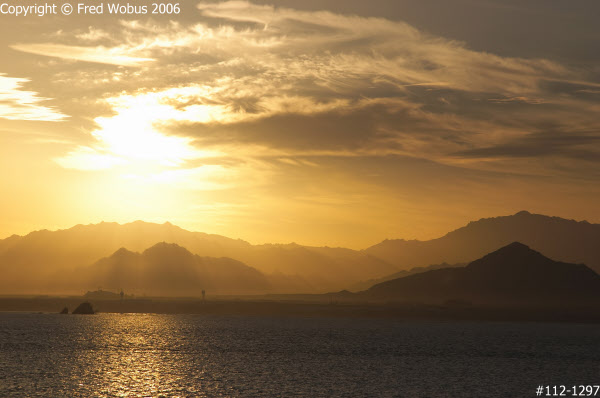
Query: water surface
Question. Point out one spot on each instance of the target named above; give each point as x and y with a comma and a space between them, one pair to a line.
136, 355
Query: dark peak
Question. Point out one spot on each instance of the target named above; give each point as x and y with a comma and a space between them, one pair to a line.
515, 249
523, 213
105, 224
150, 226
392, 241
164, 247
516, 246
514, 253
122, 252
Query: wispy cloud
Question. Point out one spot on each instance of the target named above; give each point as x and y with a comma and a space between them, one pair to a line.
295, 83
103, 55
267, 118
19, 104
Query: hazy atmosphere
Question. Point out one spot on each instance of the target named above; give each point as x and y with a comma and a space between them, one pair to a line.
322, 123
299, 198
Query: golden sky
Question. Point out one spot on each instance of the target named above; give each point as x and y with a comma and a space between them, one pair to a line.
313, 122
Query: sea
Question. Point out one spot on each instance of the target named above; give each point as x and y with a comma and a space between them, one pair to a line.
148, 355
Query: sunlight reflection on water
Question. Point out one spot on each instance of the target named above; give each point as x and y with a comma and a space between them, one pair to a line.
112, 355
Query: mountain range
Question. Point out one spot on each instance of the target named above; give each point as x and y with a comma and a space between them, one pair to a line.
114, 256
557, 238
167, 269
512, 275
363, 285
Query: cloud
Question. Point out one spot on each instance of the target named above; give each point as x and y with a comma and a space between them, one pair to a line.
130, 138
93, 35
103, 55
254, 80
581, 145
377, 49
337, 53
19, 104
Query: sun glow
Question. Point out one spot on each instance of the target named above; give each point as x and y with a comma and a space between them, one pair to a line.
131, 136
131, 139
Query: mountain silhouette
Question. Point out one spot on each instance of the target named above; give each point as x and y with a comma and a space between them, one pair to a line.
171, 270
364, 285
326, 268
558, 238
44, 261
39, 261
514, 274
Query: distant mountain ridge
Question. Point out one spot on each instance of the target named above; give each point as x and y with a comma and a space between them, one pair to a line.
40, 260
364, 285
514, 274
167, 269
558, 238
43, 261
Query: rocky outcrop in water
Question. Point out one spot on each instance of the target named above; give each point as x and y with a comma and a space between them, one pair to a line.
84, 309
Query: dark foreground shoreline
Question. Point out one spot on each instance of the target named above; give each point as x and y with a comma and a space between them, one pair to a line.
300, 308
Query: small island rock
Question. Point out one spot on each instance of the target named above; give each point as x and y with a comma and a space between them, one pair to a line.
84, 308
65, 310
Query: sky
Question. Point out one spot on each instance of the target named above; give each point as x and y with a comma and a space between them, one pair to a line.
317, 122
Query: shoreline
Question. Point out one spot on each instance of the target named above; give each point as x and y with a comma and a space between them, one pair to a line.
303, 309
